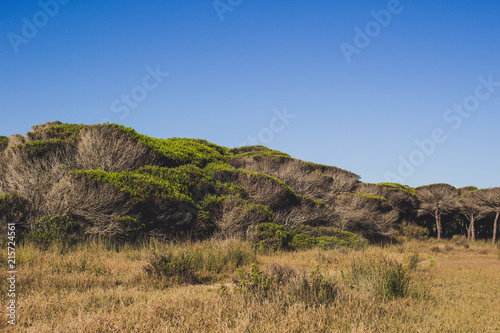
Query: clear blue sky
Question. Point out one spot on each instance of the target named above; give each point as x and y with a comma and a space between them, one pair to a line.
225, 78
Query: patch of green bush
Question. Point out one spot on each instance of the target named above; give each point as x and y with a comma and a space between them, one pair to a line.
307, 237
272, 236
55, 228
40, 147
398, 187
255, 282
179, 151
142, 185
4, 142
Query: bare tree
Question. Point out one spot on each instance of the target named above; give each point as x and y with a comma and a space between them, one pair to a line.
490, 201
308, 211
470, 206
436, 200
371, 215
111, 150
309, 179
33, 176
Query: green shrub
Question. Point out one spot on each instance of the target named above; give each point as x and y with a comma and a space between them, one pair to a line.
55, 228
4, 142
255, 282
270, 236
306, 237
179, 151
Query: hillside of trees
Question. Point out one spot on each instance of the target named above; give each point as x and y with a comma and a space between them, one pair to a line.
68, 180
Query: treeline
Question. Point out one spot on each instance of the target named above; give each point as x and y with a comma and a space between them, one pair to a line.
67, 180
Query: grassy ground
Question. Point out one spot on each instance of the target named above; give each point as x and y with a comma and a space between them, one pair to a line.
210, 287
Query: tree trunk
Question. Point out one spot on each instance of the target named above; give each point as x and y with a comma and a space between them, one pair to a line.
438, 224
495, 227
472, 229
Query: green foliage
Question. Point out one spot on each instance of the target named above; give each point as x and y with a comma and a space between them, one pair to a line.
179, 151
4, 142
56, 130
146, 183
55, 228
255, 282
40, 147
272, 236
370, 196
245, 152
281, 183
398, 187
213, 168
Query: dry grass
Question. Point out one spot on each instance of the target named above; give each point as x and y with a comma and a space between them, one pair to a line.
96, 288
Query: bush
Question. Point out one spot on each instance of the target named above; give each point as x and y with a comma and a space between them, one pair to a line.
379, 276
306, 237
4, 143
270, 236
55, 228
255, 282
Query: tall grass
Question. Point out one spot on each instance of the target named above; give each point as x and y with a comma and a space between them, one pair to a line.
101, 287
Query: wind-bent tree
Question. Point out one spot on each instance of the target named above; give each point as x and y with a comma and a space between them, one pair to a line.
371, 215
470, 205
436, 200
490, 200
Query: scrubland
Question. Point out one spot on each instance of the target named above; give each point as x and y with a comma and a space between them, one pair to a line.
231, 286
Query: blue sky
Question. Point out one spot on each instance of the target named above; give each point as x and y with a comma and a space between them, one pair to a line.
275, 71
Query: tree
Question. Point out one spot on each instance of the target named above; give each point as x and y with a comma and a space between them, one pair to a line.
490, 201
470, 206
436, 200
371, 215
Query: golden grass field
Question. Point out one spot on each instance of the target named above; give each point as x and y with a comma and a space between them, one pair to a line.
95, 287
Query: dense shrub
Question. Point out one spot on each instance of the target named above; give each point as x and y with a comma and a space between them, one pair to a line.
4, 142
55, 228
272, 236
